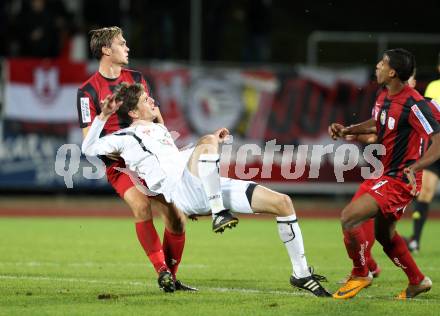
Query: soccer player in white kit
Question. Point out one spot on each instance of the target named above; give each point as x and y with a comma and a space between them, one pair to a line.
190, 179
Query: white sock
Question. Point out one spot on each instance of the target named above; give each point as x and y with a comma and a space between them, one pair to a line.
209, 174
290, 234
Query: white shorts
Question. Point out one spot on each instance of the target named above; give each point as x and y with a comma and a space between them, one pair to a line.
190, 197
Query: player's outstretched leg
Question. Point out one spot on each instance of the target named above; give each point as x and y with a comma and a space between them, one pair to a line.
264, 200
204, 164
208, 170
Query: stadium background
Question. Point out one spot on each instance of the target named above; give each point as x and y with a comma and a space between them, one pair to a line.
265, 69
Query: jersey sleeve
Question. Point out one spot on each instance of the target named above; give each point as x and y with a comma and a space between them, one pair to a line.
93, 145
422, 119
86, 108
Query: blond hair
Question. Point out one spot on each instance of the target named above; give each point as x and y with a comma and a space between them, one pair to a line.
102, 37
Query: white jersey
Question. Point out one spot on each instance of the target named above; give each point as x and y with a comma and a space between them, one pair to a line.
147, 149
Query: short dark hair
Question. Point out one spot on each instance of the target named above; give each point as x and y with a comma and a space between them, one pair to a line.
129, 94
102, 37
402, 61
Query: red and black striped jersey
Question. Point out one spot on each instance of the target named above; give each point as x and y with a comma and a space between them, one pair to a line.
404, 122
96, 88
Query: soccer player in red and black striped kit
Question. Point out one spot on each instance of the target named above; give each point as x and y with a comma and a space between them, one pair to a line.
110, 48
403, 122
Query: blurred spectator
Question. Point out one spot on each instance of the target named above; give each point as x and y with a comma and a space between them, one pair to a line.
3, 27
213, 17
258, 27
101, 13
39, 28
159, 30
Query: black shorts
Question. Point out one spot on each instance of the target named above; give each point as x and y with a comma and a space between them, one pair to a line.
435, 167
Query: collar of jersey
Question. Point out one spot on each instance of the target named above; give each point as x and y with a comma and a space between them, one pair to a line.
108, 79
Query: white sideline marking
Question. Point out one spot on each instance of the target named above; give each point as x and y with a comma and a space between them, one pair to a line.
147, 285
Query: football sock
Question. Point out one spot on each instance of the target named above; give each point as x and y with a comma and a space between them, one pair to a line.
209, 174
291, 236
149, 239
173, 245
368, 228
399, 254
419, 218
356, 245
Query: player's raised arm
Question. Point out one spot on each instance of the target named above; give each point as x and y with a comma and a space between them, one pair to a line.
92, 144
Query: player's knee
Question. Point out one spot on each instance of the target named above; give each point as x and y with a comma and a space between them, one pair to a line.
426, 195
284, 205
347, 222
142, 210
383, 238
177, 225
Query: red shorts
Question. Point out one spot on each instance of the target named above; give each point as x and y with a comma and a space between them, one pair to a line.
392, 195
120, 181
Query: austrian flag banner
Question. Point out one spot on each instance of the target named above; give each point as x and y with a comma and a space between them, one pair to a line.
42, 90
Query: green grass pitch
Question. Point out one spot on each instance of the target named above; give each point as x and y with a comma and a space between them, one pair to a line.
60, 266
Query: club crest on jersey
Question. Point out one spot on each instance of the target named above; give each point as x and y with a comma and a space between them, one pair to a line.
391, 122
383, 116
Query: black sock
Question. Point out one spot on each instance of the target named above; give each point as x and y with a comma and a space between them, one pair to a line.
419, 217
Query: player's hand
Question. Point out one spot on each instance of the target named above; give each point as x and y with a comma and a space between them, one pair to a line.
109, 105
410, 174
221, 134
335, 130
